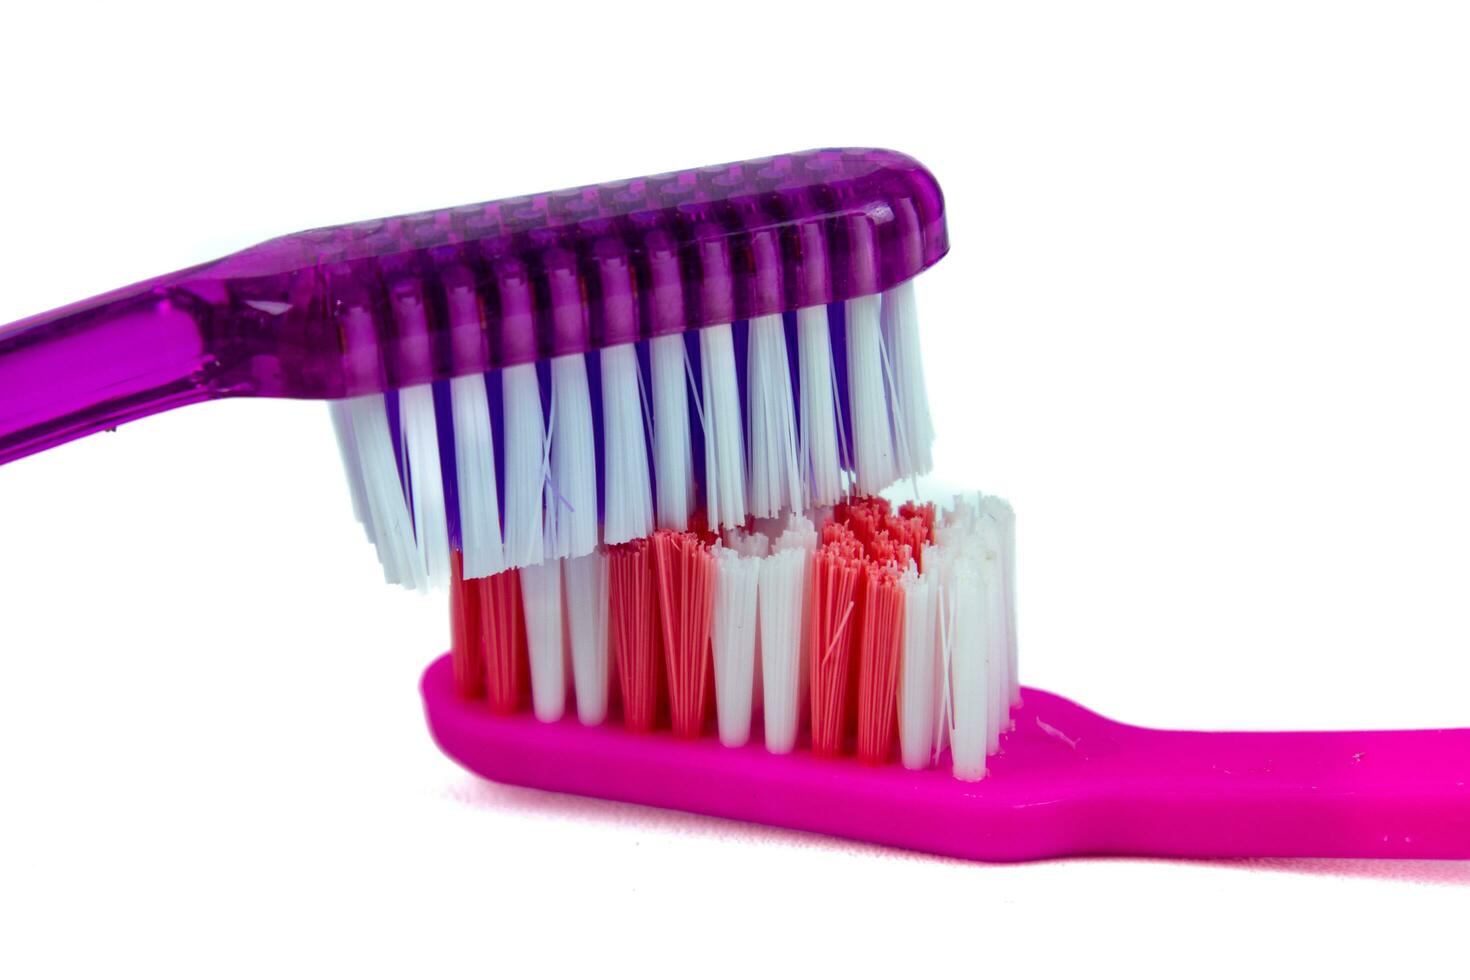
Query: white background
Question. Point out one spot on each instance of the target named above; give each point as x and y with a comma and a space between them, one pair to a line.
1204, 321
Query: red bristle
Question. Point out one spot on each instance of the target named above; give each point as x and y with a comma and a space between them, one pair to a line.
635, 636
879, 648
503, 627
684, 571
466, 642
835, 577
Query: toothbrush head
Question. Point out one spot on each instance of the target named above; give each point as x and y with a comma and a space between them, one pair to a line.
376, 305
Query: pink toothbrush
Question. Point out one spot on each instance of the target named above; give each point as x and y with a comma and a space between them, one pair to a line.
598, 416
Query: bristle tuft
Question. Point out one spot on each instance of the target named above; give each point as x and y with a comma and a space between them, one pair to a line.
724, 438
628, 495
685, 575
633, 615
775, 472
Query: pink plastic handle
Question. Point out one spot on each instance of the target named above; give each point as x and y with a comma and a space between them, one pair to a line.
1066, 782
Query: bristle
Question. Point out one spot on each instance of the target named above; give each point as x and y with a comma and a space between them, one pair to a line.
880, 646
633, 622
782, 588
479, 497
734, 635
775, 472
466, 633
724, 437
587, 615
392, 525
917, 694
836, 578
685, 575
820, 460
872, 433
912, 423
426, 482
503, 633
572, 503
542, 599
748, 544
969, 689
525, 465
351, 464
1005, 517
673, 454
628, 495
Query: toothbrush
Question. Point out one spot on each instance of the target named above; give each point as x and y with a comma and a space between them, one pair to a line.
611, 421
945, 752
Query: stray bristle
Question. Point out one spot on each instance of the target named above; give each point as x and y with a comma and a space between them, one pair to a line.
684, 571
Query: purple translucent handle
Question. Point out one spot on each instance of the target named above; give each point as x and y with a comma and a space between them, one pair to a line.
385, 304
1066, 781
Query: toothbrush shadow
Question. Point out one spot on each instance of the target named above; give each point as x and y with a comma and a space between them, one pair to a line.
483, 793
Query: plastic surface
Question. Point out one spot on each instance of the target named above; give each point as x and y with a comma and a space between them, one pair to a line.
1066, 782
386, 304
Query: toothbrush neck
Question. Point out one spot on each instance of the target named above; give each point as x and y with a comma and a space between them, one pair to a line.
96, 364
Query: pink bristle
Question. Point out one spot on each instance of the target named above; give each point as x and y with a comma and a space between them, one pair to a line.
503, 628
685, 573
635, 638
880, 645
466, 641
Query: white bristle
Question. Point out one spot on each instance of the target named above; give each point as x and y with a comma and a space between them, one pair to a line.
1005, 518
525, 465
867, 395
572, 506
724, 436
993, 596
748, 544
820, 459
733, 640
912, 423
916, 694
673, 454
587, 615
474, 458
969, 692
775, 471
420, 434
785, 585
628, 497
392, 525
541, 601
351, 464
783, 578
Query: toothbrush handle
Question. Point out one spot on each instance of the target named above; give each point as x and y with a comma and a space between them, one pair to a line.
93, 365
1386, 794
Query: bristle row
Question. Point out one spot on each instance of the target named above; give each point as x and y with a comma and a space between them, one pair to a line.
752, 420
893, 629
